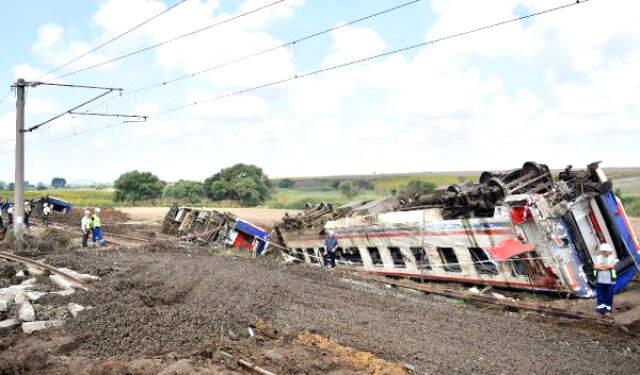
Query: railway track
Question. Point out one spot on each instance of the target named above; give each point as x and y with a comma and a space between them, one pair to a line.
489, 300
125, 240
44, 267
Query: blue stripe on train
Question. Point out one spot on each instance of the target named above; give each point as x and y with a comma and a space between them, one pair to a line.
625, 277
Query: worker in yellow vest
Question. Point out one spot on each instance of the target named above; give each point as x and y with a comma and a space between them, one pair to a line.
96, 227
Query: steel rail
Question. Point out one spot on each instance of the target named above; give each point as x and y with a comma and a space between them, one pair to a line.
45, 267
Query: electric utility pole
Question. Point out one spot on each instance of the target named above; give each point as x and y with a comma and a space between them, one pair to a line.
18, 208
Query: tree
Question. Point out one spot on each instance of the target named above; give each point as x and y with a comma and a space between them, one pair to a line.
286, 183
241, 182
135, 186
335, 184
3, 185
416, 187
41, 186
11, 186
348, 188
191, 191
58, 182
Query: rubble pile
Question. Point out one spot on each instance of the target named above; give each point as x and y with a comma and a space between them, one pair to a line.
21, 304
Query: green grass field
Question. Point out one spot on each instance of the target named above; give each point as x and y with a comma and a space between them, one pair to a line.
321, 189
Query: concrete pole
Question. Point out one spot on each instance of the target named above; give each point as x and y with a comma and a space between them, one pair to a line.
18, 209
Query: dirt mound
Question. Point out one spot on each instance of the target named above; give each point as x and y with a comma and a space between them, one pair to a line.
112, 220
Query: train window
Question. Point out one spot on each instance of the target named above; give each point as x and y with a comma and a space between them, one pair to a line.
518, 267
374, 253
298, 254
352, 254
422, 261
449, 259
398, 258
339, 253
312, 255
482, 262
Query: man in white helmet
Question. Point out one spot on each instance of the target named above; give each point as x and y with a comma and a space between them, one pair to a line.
46, 211
605, 272
85, 224
330, 246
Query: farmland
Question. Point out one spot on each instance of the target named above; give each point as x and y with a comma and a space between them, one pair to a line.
324, 189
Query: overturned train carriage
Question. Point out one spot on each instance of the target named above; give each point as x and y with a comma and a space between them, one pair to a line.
211, 227
518, 229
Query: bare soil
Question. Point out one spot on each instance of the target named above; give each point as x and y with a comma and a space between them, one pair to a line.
175, 306
265, 217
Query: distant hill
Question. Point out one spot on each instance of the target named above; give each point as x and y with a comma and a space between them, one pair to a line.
625, 179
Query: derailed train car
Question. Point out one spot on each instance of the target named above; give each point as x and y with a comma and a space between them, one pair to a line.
212, 227
519, 229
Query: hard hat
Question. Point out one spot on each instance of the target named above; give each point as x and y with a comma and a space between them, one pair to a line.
46, 205
87, 212
605, 247
332, 233
97, 210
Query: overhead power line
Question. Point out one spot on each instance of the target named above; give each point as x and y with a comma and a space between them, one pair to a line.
369, 58
112, 39
5, 97
191, 33
256, 54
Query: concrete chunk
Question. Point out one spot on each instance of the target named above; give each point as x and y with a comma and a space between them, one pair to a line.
34, 296
20, 273
78, 275
34, 271
64, 293
26, 312
74, 309
61, 282
8, 324
31, 327
21, 297
29, 282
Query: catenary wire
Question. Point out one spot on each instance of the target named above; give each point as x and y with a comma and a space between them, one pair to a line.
112, 39
191, 33
369, 58
255, 54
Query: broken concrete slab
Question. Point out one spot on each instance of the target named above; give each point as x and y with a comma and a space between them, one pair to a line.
21, 297
78, 275
9, 324
34, 271
21, 273
31, 327
74, 309
61, 282
26, 312
34, 296
64, 293
29, 282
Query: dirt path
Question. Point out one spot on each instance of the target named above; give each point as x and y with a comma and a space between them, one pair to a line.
173, 302
260, 216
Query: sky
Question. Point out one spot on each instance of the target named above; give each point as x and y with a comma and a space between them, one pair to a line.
561, 88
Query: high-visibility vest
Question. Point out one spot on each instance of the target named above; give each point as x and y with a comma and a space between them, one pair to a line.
614, 276
95, 221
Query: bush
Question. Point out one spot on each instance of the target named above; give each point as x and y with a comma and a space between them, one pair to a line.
348, 189
136, 186
41, 186
58, 182
417, 187
286, 183
191, 191
241, 182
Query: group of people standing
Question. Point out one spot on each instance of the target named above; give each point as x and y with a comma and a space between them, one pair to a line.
90, 223
8, 207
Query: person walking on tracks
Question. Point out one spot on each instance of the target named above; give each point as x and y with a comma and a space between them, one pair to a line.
605, 273
46, 211
330, 246
85, 224
96, 225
